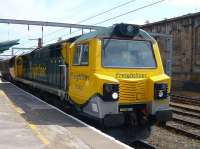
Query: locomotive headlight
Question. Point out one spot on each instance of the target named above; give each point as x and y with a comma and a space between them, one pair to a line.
115, 95
160, 94
160, 91
110, 92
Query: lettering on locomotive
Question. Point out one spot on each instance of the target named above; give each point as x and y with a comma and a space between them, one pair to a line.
130, 75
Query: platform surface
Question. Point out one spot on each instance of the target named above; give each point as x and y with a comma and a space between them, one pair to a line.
28, 123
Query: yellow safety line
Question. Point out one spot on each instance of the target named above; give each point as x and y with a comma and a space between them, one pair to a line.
19, 110
39, 134
32, 126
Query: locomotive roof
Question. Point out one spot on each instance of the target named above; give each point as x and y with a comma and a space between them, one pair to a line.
59, 43
99, 33
107, 32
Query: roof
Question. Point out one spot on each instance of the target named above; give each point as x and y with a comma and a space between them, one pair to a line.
7, 44
190, 15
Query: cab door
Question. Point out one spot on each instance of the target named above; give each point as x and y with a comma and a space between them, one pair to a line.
19, 67
80, 72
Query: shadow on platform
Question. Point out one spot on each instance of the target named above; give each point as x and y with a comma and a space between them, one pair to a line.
35, 111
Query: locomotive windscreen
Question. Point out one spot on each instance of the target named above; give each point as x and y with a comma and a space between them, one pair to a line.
128, 54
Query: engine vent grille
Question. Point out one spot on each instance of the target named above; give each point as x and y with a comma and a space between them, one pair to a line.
131, 91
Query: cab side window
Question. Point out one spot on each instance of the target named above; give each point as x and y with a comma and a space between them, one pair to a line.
77, 53
81, 54
85, 54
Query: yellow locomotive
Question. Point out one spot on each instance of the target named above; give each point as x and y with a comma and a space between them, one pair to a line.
114, 75
117, 71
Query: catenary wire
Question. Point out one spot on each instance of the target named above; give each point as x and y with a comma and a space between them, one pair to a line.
98, 14
112, 18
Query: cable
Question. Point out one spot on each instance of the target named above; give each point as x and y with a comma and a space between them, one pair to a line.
101, 13
151, 4
89, 18
129, 12
98, 14
62, 36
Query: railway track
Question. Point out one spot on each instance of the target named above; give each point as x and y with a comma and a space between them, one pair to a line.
181, 129
186, 122
186, 100
185, 108
185, 112
186, 118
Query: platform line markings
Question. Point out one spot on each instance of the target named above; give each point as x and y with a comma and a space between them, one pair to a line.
39, 134
19, 110
33, 127
76, 119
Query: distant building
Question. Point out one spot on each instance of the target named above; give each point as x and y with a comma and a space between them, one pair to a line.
186, 46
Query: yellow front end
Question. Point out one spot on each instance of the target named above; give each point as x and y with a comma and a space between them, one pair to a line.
135, 87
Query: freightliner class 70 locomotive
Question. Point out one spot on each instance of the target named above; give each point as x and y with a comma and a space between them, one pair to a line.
114, 75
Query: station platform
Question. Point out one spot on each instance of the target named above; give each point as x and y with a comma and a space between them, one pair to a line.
26, 122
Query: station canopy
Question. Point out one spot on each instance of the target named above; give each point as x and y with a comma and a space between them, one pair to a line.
5, 45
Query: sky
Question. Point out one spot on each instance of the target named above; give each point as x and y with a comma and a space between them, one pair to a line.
68, 11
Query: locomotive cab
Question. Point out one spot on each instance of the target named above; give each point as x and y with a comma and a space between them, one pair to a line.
116, 75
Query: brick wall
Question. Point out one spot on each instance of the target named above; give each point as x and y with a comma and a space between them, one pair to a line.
186, 46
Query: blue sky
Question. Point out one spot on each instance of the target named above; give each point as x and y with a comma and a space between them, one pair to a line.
74, 11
